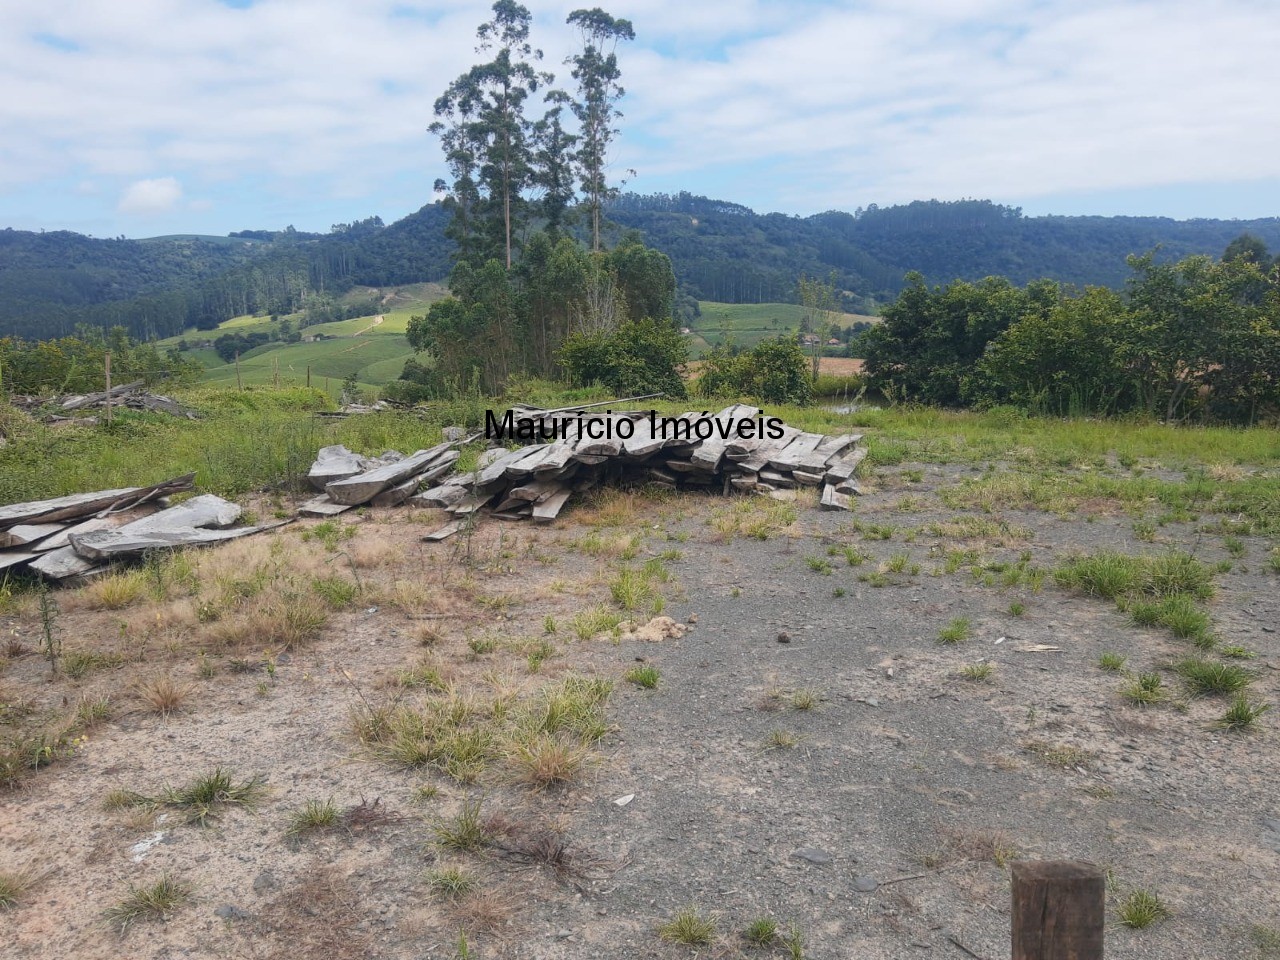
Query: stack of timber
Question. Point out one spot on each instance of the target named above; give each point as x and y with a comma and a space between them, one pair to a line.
735, 450
350, 480
132, 396
83, 533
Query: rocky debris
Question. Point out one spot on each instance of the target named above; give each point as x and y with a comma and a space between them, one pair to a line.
131, 396
657, 629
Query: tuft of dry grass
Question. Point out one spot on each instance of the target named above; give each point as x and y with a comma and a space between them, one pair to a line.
544, 760
156, 901
163, 695
15, 884
115, 591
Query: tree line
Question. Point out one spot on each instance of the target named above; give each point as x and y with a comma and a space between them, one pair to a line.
1197, 339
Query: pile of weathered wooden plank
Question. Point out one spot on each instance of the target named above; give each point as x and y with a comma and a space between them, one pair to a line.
536, 480
133, 396
83, 533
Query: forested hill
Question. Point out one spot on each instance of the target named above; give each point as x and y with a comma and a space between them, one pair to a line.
50, 282
727, 252
721, 251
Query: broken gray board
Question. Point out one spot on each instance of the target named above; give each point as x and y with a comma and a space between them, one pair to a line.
556, 460
445, 532
363, 487
322, 506
534, 491
826, 451
62, 563
83, 504
206, 510
109, 544
846, 466
25, 534
834, 501
794, 452
549, 509
63, 508
15, 559
335, 463
445, 495
712, 450
394, 496
497, 469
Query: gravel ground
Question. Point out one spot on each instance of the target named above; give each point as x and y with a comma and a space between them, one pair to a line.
879, 821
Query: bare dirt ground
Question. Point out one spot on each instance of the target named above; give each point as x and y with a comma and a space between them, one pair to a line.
811, 752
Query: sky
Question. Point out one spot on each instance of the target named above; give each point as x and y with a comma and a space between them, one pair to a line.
150, 117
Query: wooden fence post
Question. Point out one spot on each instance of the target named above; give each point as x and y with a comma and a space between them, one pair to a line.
1059, 910
108, 364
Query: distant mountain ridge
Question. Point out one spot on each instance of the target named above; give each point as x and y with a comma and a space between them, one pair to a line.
721, 251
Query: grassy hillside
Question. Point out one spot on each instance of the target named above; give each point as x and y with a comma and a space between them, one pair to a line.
373, 347
747, 324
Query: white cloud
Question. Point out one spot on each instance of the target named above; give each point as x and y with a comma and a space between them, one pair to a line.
842, 103
148, 198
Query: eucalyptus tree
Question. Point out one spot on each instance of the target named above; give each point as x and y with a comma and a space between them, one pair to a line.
595, 68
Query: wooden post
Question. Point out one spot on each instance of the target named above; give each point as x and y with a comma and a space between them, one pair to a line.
275, 367
1058, 910
239, 385
108, 365
308, 376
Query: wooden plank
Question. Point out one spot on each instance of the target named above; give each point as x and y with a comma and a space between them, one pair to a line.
111, 544
206, 510
322, 506
363, 487
558, 457
789, 457
84, 504
61, 564
831, 500
808, 479
525, 466
850, 487
549, 509
497, 469
445, 495
445, 532
16, 558
26, 534
828, 450
642, 442
846, 466
1059, 910
394, 496
758, 459
535, 491
777, 479
335, 463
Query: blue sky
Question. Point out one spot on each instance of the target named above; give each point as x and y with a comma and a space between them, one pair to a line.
205, 116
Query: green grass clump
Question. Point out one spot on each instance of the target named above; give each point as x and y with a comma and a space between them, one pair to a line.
820, 565
466, 831
453, 883
154, 902
1242, 713
645, 676
761, 932
955, 632
204, 796
1145, 689
1114, 575
978, 671
314, 816
689, 927
1141, 909
1205, 678
1111, 662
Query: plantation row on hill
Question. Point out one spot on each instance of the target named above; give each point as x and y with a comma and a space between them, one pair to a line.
720, 251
